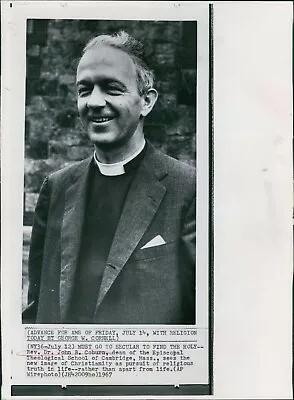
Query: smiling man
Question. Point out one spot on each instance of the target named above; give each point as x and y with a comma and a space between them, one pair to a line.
113, 239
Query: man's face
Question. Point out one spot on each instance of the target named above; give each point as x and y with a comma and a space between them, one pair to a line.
108, 99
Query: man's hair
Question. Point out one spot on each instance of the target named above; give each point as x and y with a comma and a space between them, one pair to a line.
134, 48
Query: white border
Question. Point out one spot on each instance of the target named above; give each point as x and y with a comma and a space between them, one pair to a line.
253, 200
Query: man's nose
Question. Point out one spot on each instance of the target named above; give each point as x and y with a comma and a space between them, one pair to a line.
97, 98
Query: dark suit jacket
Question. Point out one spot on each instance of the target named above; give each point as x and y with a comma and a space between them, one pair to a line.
154, 285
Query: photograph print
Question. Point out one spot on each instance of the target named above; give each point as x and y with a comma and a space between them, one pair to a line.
110, 172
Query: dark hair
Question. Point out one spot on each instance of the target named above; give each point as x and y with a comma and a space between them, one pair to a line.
134, 48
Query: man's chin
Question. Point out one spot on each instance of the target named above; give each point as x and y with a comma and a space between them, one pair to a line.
103, 140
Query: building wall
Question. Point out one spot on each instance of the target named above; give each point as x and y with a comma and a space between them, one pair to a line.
54, 136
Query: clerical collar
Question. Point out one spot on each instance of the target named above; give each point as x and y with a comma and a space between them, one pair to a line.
119, 167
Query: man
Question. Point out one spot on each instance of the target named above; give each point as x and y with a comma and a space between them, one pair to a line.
113, 239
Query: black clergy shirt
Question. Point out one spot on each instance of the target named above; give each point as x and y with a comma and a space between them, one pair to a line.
105, 200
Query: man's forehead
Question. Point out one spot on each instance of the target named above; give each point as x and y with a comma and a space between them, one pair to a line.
106, 56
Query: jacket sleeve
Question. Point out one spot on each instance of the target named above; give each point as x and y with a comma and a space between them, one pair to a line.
188, 262
36, 253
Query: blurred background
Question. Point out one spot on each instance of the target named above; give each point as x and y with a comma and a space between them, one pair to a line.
54, 136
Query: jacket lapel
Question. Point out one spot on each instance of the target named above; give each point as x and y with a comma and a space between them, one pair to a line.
142, 202
75, 199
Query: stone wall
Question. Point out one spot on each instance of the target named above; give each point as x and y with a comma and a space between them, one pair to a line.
54, 136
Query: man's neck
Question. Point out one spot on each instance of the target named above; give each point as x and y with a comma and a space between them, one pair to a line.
118, 168
120, 154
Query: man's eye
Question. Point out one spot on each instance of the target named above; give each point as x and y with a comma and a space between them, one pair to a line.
84, 91
114, 90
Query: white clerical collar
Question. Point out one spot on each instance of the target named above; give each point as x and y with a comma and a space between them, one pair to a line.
117, 168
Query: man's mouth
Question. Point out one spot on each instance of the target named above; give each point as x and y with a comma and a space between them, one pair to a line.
100, 120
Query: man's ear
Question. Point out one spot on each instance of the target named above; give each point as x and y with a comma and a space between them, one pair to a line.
149, 99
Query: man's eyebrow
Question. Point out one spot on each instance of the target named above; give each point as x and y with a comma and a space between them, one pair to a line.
82, 82
105, 81
115, 81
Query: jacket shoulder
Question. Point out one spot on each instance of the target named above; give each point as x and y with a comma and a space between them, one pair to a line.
181, 168
182, 177
175, 167
70, 171
177, 176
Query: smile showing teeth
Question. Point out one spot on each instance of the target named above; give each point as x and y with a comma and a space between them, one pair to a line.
101, 119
